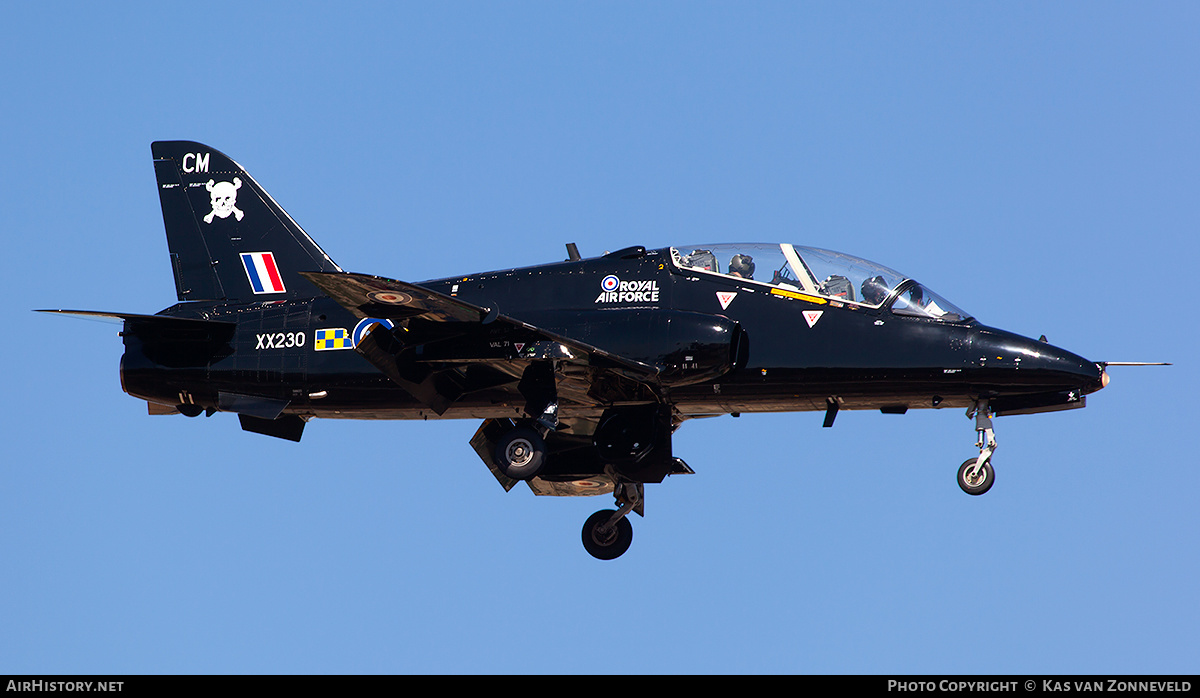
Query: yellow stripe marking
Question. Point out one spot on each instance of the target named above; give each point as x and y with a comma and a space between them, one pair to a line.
798, 296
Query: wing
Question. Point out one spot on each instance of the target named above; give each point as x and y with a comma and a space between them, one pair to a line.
443, 347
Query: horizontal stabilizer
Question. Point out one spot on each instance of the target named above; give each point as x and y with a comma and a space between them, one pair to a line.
137, 317
178, 340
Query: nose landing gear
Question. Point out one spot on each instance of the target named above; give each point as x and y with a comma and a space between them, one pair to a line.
976, 475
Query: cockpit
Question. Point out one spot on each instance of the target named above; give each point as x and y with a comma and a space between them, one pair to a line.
836, 277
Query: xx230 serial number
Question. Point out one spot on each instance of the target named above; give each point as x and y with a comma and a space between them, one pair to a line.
280, 340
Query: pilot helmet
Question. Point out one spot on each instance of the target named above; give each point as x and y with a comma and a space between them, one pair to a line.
874, 290
742, 265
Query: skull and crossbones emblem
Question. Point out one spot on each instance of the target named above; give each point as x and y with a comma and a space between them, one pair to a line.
224, 199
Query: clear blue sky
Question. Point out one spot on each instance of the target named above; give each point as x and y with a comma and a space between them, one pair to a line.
1036, 163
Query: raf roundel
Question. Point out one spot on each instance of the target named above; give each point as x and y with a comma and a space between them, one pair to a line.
366, 325
610, 283
389, 297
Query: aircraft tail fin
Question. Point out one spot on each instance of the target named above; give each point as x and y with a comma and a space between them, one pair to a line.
228, 238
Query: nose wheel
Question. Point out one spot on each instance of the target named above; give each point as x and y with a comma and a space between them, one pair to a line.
975, 480
976, 475
605, 539
607, 534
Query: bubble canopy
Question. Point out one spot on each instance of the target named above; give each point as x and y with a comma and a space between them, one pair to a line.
833, 275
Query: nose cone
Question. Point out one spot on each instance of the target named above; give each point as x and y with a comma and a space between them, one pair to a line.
1032, 364
1072, 368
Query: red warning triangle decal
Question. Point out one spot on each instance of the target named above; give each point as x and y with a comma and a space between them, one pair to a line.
811, 316
725, 298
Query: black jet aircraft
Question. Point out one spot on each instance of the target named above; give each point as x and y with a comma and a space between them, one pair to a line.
581, 370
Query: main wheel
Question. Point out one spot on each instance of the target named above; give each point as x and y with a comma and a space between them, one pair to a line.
520, 453
981, 482
606, 544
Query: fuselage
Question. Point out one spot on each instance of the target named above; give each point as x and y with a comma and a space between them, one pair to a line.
794, 350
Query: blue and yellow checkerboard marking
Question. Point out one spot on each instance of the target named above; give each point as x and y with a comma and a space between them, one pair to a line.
332, 338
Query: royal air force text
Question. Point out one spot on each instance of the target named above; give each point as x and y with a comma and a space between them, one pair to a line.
631, 292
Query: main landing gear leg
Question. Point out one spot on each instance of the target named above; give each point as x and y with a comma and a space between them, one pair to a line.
521, 453
976, 475
607, 534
